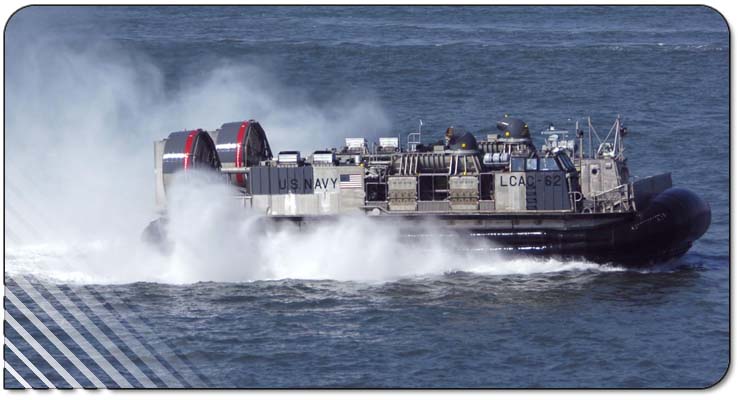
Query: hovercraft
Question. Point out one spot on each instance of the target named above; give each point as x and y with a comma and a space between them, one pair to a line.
568, 199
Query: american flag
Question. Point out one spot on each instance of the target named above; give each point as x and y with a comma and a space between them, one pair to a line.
350, 181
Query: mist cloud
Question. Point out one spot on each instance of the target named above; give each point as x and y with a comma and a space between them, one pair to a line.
81, 118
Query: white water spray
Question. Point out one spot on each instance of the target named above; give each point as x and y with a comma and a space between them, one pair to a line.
80, 122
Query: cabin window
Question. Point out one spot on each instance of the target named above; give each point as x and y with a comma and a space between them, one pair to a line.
517, 164
549, 164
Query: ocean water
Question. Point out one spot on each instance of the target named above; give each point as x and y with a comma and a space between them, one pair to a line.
89, 88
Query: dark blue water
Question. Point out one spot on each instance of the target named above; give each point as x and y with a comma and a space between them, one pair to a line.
664, 69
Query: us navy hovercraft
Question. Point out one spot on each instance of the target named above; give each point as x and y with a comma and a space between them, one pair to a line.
563, 200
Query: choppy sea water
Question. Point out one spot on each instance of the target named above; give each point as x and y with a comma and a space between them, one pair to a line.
88, 89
